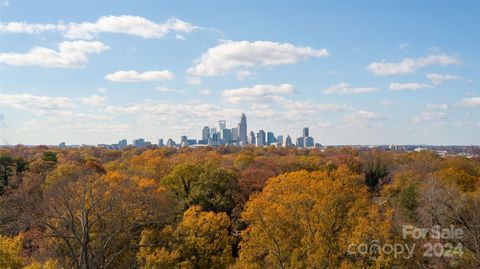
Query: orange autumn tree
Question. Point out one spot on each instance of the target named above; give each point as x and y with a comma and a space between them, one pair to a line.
308, 220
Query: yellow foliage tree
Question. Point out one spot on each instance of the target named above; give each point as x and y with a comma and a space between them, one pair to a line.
10, 249
308, 220
201, 240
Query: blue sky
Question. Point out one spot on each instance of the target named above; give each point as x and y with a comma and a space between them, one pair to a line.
375, 72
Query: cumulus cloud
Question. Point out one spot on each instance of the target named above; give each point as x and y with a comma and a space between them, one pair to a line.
472, 101
69, 55
436, 106
35, 103
230, 55
439, 78
164, 89
408, 86
94, 100
410, 65
258, 93
205, 91
345, 88
126, 24
362, 115
134, 76
429, 116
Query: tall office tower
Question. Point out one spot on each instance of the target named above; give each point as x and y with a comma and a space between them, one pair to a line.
226, 135
270, 138
308, 142
205, 133
160, 142
252, 140
213, 130
222, 124
235, 136
184, 139
122, 143
242, 129
305, 132
215, 137
280, 139
261, 138
288, 141
300, 142
139, 142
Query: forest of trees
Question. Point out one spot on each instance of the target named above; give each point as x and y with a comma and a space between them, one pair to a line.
230, 207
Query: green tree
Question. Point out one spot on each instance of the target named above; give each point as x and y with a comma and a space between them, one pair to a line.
6, 171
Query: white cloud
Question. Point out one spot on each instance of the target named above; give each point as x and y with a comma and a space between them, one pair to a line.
429, 116
472, 101
408, 86
229, 55
193, 81
164, 89
134, 76
69, 55
258, 93
94, 100
30, 102
410, 65
362, 115
436, 106
126, 24
205, 91
439, 78
102, 90
345, 88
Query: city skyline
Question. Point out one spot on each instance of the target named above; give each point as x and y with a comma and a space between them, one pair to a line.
371, 73
211, 136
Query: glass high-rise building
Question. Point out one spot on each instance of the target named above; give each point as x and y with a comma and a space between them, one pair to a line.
305, 132
261, 138
242, 129
205, 133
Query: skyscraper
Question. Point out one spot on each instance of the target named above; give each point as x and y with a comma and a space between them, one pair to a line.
288, 141
305, 132
160, 142
226, 135
235, 136
252, 140
205, 133
242, 129
300, 143
308, 142
280, 139
270, 138
261, 138
222, 124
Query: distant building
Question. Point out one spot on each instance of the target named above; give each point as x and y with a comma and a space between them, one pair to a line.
205, 133
122, 143
61, 145
252, 140
215, 137
280, 139
288, 141
235, 135
160, 143
300, 143
308, 142
222, 124
170, 143
226, 136
261, 138
139, 142
270, 138
242, 129
305, 132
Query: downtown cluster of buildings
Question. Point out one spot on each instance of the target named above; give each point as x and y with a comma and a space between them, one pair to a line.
236, 136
